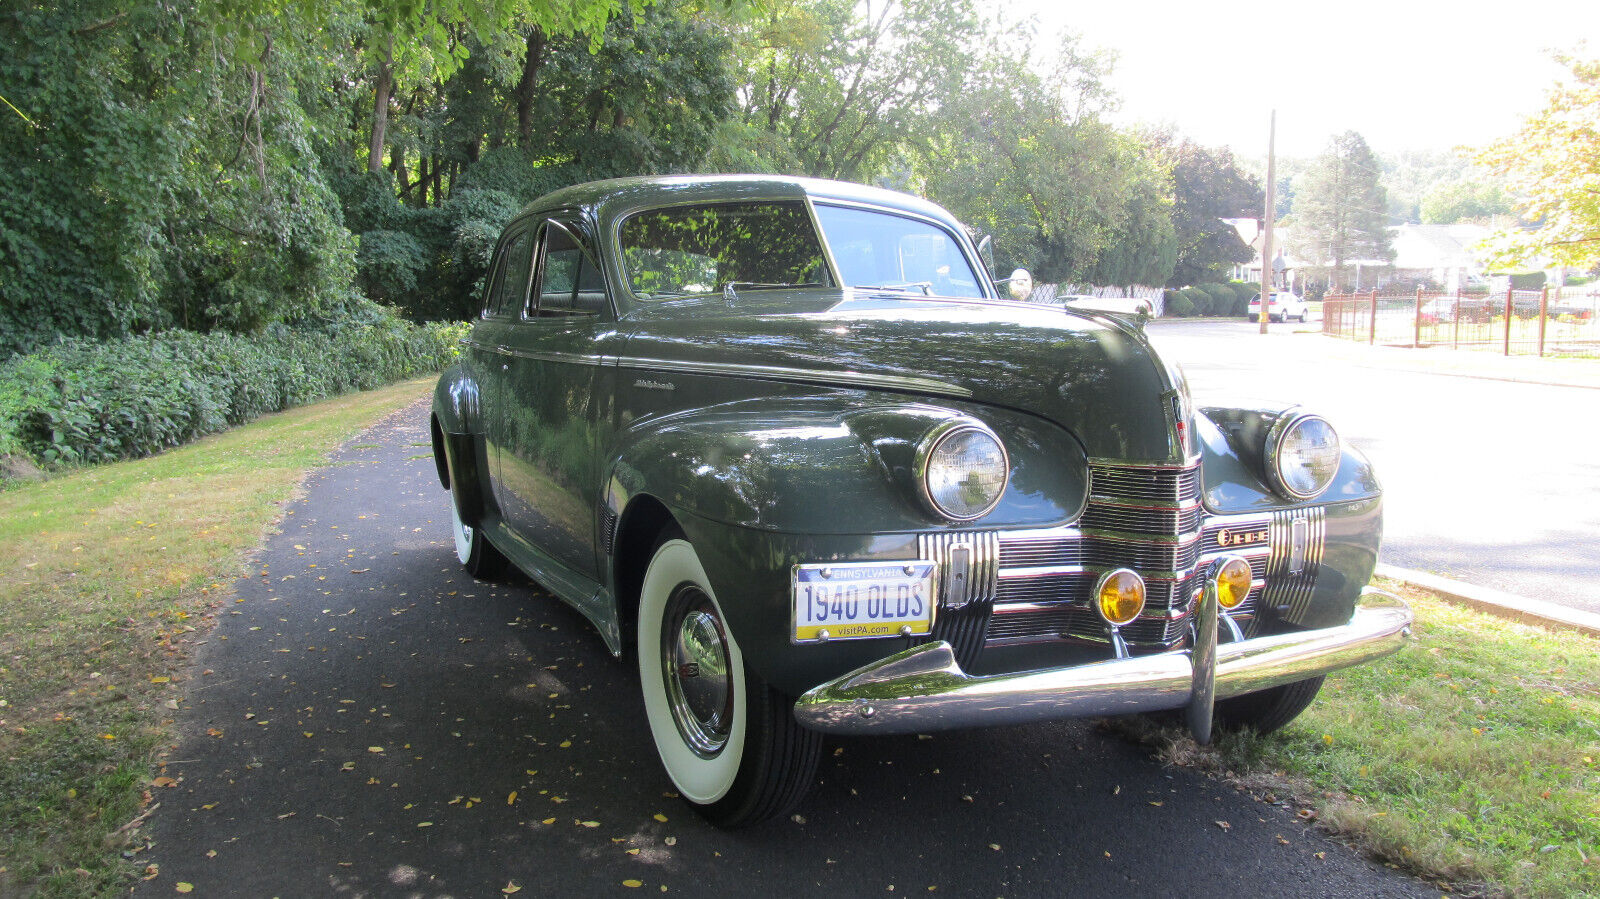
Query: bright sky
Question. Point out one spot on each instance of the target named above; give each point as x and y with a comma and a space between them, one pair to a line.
1407, 75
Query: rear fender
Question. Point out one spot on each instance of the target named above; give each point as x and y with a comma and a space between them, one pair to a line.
459, 452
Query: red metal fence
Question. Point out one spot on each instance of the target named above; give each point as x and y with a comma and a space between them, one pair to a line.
1548, 322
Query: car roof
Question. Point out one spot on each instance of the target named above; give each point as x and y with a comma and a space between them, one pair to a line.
617, 196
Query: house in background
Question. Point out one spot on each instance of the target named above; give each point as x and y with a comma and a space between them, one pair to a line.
1287, 270
1437, 256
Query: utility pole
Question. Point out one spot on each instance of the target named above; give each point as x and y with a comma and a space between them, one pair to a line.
1266, 235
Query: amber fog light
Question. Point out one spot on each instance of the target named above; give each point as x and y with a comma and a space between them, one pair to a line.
1119, 596
1233, 577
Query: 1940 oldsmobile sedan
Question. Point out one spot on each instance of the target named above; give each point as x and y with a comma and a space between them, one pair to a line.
782, 439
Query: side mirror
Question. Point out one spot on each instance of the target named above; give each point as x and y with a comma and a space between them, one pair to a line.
1019, 285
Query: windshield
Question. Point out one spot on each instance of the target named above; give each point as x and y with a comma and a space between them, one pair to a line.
706, 248
880, 249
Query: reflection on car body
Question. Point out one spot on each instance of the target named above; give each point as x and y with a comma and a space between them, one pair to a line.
782, 440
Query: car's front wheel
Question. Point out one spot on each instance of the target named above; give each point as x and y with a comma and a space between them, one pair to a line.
729, 741
1268, 710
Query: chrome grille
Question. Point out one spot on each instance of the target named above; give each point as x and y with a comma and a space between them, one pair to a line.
1150, 519
1142, 519
973, 579
1134, 482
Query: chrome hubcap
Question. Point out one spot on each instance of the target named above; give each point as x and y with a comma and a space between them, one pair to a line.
694, 660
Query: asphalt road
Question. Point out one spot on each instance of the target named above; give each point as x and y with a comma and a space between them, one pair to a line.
368, 721
1486, 481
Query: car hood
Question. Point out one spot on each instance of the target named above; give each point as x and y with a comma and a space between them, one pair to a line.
1095, 376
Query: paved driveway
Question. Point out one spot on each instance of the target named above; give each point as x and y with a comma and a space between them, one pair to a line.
1489, 481
371, 722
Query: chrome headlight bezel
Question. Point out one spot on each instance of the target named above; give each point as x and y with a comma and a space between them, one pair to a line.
940, 437
1280, 454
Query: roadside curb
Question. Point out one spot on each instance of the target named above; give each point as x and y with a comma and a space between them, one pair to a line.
1495, 602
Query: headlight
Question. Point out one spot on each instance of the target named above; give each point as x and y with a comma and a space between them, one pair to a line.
1303, 455
962, 469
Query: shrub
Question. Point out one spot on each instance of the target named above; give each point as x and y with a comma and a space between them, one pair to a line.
84, 401
1199, 299
1178, 304
1222, 298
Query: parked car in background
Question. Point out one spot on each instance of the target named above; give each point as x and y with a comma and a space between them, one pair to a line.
1282, 307
783, 441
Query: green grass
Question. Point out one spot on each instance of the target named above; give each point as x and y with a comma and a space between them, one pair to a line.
1473, 756
105, 572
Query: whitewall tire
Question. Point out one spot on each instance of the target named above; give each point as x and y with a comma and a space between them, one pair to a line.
728, 740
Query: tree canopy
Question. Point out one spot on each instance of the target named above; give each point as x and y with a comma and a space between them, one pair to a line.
238, 165
1340, 210
1552, 166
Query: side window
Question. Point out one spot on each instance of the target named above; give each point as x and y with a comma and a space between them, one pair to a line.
569, 282
508, 283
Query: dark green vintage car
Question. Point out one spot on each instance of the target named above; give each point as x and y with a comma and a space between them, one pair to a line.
783, 439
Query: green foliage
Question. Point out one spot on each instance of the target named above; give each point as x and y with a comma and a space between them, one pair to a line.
83, 401
1339, 211
1463, 200
1528, 281
837, 89
1553, 166
1178, 304
1223, 299
145, 191
1207, 186
1027, 159
1198, 299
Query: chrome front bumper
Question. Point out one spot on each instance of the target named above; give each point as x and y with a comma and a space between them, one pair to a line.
923, 689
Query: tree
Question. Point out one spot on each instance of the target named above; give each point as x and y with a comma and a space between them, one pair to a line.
1339, 212
1553, 167
1462, 200
1027, 158
837, 89
1207, 187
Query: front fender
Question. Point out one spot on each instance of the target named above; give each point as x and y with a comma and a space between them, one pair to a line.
1349, 513
830, 465
1234, 468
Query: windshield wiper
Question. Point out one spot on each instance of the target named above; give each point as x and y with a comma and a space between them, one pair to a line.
729, 293
902, 287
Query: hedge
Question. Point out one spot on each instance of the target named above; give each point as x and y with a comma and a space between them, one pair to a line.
83, 401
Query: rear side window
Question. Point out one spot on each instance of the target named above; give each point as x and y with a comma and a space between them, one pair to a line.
569, 282
508, 281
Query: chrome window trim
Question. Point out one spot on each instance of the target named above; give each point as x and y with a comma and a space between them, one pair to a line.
979, 272
620, 218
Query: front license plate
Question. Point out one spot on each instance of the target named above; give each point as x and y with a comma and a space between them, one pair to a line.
852, 601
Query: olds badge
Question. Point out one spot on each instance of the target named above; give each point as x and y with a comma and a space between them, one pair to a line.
1229, 537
